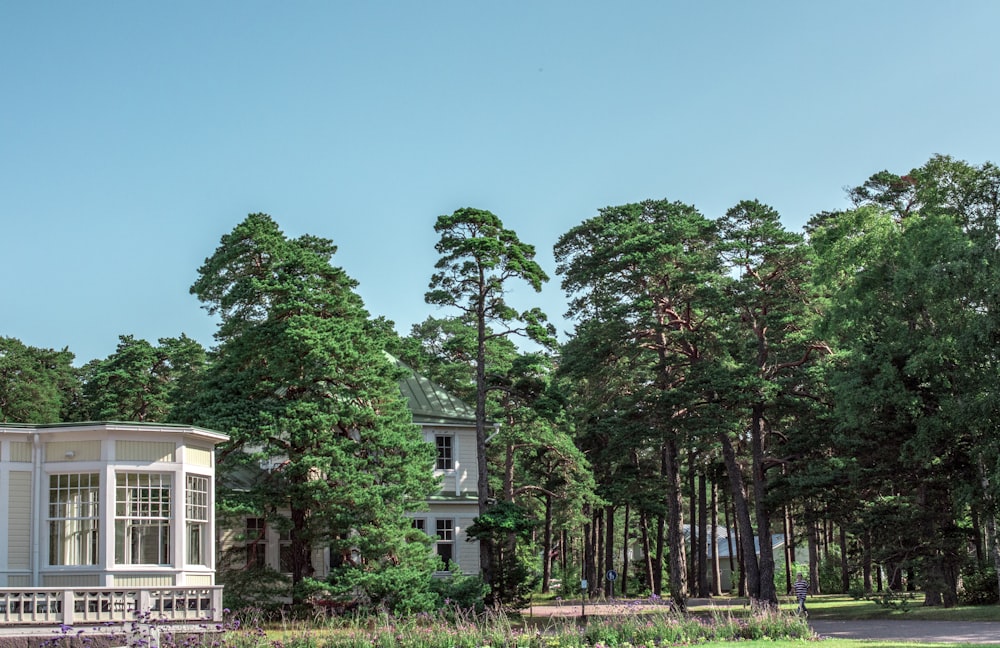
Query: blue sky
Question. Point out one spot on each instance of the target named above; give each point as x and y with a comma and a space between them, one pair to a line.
133, 135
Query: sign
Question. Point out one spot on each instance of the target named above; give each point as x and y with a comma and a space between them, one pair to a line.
612, 575
583, 584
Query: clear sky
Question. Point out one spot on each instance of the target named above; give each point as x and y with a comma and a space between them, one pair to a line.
133, 135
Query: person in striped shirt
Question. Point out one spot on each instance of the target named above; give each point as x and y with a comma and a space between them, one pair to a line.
801, 588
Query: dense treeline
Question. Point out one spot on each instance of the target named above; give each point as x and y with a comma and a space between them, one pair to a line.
728, 382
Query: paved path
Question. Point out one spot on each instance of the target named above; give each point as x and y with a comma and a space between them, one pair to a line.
912, 630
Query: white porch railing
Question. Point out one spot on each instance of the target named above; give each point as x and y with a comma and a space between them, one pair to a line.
76, 605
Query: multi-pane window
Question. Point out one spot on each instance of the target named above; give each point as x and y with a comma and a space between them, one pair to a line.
420, 524
286, 563
445, 460
196, 514
445, 540
254, 535
74, 519
142, 519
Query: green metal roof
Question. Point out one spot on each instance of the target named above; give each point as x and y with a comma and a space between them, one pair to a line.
431, 403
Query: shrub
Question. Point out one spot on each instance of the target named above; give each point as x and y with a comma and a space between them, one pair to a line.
979, 587
460, 591
261, 589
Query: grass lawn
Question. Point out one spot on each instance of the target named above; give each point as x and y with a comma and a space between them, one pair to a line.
838, 606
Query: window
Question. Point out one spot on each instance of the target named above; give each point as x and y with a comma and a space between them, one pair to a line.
142, 519
196, 513
256, 543
286, 561
444, 453
446, 540
420, 524
74, 518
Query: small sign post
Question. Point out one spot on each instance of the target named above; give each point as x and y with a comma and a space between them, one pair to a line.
583, 599
612, 576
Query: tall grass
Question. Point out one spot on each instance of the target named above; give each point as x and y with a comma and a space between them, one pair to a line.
463, 630
455, 628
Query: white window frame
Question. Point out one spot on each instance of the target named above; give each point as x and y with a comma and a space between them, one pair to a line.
449, 447
255, 541
74, 519
144, 518
197, 489
444, 531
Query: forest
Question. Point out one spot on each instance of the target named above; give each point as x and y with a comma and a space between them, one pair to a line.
728, 382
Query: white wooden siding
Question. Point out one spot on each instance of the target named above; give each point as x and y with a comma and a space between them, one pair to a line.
19, 521
151, 451
71, 580
198, 456
20, 451
144, 581
73, 451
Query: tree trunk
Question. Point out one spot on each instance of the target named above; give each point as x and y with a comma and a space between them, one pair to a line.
675, 522
748, 554
789, 549
730, 530
647, 549
483, 482
766, 591
660, 547
989, 517
845, 570
866, 561
599, 553
703, 590
623, 589
813, 553
692, 558
609, 546
588, 552
301, 549
716, 569
547, 546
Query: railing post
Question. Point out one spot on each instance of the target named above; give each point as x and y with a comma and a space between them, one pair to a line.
217, 603
144, 603
68, 607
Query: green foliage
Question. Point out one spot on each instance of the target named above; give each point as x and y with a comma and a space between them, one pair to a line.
402, 585
979, 586
891, 600
478, 257
36, 385
260, 589
460, 592
502, 525
300, 383
142, 382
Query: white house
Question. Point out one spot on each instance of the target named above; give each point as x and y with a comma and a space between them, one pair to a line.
105, 505
450, 425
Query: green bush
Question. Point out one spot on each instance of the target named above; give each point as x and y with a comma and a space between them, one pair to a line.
460, 591
979, 587
261, 589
